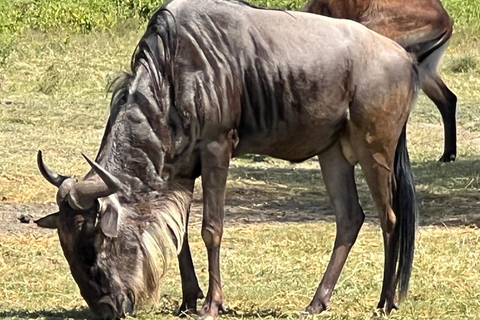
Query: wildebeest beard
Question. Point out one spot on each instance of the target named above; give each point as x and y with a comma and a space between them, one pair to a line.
130, 267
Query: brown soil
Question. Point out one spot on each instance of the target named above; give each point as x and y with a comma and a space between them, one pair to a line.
244, 205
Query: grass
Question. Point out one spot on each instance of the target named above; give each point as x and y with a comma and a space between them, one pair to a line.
86, 15
463, 64
269, 271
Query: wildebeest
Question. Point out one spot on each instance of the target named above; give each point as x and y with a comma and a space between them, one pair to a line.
213, 79
423, 28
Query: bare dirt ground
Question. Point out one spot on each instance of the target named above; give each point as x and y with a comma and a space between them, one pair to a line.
254, 198
243, 206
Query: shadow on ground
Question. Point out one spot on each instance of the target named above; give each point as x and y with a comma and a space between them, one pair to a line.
82, 313
448, 194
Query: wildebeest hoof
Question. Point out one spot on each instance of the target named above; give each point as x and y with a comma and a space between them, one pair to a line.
188, 306
318, 307
387, 309
211, 310
185, 311
448, 157
391, 307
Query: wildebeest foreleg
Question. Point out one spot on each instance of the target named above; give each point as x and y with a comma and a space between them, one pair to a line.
446, 102
340, 182
190, 288
215, 158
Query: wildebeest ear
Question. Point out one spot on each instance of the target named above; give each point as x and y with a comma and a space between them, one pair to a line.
109, 222
50, 221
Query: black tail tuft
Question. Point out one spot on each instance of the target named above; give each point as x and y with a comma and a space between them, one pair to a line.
405, 208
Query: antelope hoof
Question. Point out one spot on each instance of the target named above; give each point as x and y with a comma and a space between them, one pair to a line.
448, 157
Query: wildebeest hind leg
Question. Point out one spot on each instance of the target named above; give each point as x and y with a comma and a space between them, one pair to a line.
340, 182
446, 102
215, 158
375, 151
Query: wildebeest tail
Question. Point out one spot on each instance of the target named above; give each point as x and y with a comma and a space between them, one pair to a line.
429, 58
404, 206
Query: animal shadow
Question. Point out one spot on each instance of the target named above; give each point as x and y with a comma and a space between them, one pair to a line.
77, 313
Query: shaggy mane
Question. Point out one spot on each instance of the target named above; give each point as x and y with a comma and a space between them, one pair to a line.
162, 216
157, 58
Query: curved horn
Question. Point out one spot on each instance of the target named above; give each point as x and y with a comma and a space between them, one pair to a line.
51, 176
86, 192
109, 179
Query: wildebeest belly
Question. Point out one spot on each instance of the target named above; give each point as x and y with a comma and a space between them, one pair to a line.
297, 139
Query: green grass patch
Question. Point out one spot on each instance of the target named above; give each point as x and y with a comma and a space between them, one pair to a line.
463, 64
465, 13
73, 15
87, 15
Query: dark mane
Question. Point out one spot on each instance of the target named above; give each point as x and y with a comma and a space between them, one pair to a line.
156, 58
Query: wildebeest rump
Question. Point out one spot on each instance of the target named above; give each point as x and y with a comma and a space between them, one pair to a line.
423, 28
213, 79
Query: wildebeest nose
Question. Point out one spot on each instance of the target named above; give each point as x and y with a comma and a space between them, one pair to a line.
128, 304
115, 308
107, 309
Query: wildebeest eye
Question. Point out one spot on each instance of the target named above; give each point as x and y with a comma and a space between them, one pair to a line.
88, 226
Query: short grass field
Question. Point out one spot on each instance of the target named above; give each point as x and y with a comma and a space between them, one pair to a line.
56, 60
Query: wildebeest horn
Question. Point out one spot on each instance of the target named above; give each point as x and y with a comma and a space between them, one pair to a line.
86, 192
51, 176
111, 182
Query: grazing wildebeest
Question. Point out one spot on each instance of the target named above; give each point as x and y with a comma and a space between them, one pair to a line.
213, 79
423, 28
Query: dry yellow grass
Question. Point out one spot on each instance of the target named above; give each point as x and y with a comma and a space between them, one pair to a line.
269, 270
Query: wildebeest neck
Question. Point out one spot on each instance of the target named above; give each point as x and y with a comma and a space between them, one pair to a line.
143, 131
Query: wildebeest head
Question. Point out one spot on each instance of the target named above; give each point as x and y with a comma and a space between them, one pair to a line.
88, 228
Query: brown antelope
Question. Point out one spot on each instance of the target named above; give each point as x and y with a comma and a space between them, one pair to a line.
214, 79
423, 28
